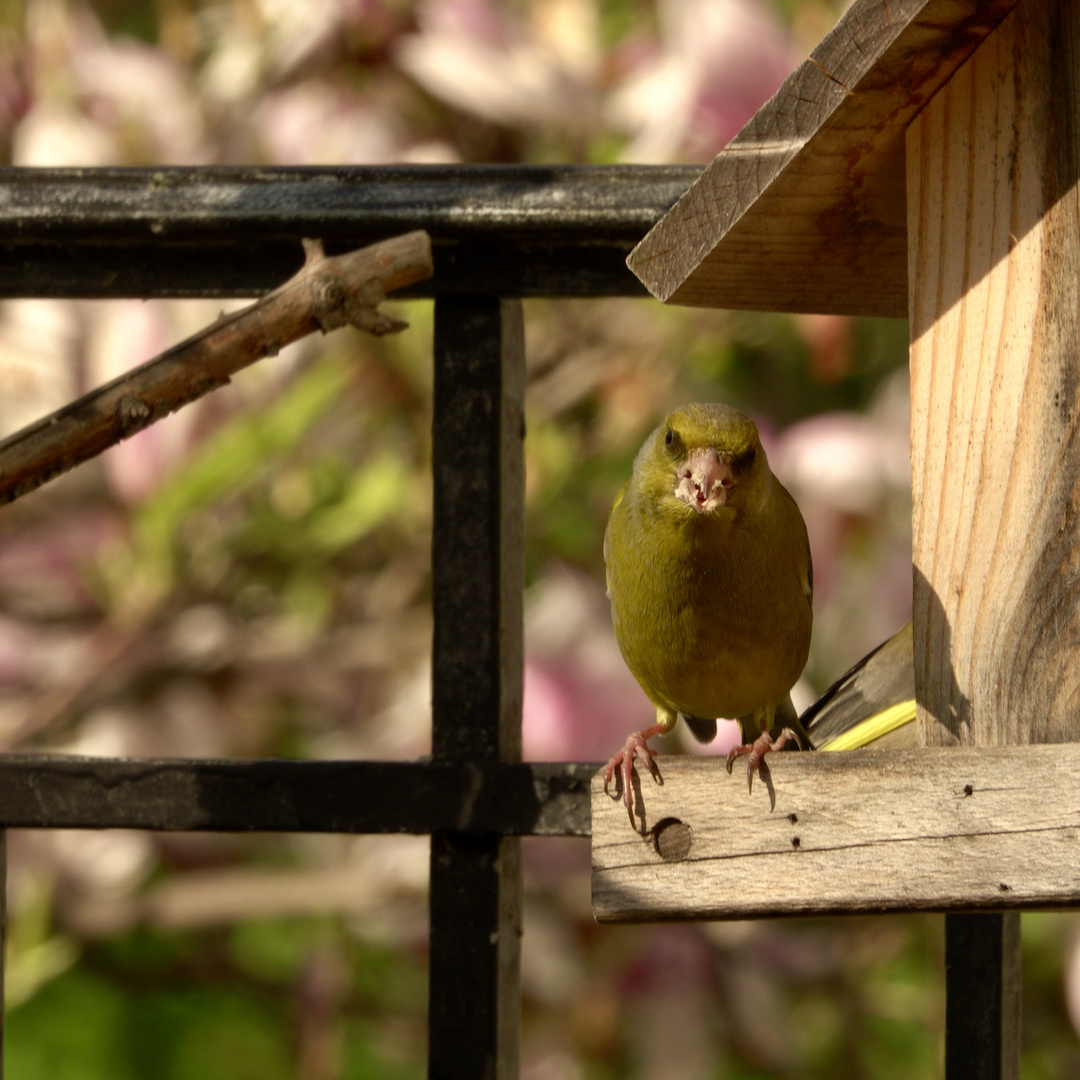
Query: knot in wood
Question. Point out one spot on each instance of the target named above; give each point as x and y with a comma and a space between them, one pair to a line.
329, 302
672, 839
131, 415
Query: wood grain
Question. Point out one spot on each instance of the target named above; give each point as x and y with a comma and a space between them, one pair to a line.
805, 209
994, 224
863, 831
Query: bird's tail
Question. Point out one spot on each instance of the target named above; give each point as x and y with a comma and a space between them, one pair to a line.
703, 730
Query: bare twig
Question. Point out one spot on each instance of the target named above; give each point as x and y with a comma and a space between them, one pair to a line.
325, 294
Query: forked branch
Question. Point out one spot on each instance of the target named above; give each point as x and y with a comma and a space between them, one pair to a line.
324, 294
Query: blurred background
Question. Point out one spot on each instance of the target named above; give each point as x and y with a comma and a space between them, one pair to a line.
251, 576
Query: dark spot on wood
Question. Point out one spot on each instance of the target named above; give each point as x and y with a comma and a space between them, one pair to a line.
968, 790
672, 839
793, 818
796, 842
1002, 887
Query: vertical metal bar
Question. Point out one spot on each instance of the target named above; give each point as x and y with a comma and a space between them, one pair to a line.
982, 996
477, 584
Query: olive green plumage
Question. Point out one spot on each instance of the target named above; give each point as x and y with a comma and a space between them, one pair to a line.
709, 574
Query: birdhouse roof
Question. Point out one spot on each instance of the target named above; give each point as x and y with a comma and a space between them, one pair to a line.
805, 209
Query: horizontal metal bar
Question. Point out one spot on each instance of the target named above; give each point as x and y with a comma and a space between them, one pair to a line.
214, 231
218, 203
46, 791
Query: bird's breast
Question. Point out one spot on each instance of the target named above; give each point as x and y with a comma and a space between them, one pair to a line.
712, 620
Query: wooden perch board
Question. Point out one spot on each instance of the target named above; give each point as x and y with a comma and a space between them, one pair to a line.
805, 209
865, 831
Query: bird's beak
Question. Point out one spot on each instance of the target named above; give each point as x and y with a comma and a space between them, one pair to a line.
704, 479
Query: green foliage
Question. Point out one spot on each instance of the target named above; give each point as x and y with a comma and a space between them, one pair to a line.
229, 462
618, 19
210, 1033
274, 950
207, 1007
766, 365
571, 491
363, 1059
74, 1029
35, 953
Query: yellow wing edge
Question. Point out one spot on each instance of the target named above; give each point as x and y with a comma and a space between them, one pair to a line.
874, 727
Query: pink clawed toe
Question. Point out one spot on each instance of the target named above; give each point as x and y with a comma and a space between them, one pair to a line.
623, 761
756, 750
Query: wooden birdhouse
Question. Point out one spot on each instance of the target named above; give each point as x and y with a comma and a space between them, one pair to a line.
923, 162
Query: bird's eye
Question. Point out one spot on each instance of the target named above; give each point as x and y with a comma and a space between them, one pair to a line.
669, 438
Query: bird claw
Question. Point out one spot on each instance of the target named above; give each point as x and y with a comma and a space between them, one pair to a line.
623, 762
756, 750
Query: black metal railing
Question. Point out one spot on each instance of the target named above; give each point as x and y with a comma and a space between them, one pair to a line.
498, 234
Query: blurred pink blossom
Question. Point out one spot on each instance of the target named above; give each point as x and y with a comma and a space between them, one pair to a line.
850, 473
143, 99
314, 123
487, 24
581, 701
479, 57
15, 94
42, 567
720, 61
33, 655
100, 101
849, 461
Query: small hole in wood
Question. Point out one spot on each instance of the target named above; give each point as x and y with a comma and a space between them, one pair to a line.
793, 818
672, 839
968, 790
1003, 887
795, 841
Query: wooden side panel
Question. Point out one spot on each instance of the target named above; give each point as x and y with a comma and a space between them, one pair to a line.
866, 831
995, 371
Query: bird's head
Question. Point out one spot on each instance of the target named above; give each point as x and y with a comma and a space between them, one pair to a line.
701, 459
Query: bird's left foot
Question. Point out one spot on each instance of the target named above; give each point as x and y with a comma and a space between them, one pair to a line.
756, 750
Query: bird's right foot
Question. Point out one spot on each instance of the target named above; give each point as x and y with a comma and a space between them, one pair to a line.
623, 762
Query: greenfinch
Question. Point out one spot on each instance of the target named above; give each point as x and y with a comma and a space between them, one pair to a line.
873, 704
711, 587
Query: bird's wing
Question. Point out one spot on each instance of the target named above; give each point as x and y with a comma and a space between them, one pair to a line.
607, 536
874, 702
